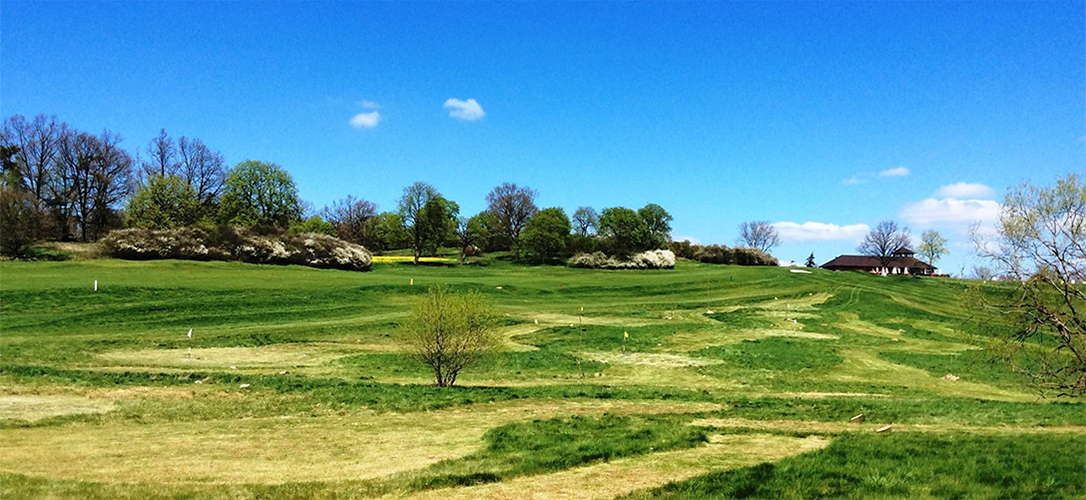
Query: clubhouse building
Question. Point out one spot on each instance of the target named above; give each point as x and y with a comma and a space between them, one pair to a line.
903, 262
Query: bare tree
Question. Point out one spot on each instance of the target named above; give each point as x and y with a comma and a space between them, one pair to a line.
982, 273
202, 169
884, 241
161, 156
585, 220
1039, 249
759, 234
110, 182
94, 179
513, 206
354, 220
39, 146
449, 332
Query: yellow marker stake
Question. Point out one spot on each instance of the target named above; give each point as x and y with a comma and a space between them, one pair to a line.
412, 281
625, 335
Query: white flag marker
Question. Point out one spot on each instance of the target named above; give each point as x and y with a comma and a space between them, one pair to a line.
96, 285
190, 333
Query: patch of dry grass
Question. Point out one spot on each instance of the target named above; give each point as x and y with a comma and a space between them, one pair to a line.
283, 449
623, 476
867, 367
32, 407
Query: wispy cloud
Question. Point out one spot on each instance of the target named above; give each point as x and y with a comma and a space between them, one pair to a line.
952, 211
364, 104
468, 110
819, 231
854, 180
894, 172
964, 190
366, 120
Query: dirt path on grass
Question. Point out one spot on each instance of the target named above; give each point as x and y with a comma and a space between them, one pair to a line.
608, 480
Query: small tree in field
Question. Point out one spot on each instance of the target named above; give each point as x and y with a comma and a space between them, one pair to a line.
1039, 251
810, 260
449, 332
932, 246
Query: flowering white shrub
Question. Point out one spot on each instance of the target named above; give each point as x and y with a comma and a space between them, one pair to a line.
237, 243
652, 259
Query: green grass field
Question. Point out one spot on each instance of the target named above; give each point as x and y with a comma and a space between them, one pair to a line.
735, 383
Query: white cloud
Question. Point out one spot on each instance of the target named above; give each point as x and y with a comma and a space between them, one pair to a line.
364, 104
852, 181
820, 231
950, 211
366, 120
894, 172
465, 110
691, 239
965, 190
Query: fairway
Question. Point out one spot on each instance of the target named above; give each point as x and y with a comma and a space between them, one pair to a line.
296, 383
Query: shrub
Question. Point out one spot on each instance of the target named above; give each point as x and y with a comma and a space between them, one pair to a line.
720, 254
714, 254
652, 259
682, 249
749, 256
253, 245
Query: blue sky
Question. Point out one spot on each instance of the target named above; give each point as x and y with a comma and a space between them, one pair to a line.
837, 114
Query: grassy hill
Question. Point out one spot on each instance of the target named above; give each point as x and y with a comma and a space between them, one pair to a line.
735, 383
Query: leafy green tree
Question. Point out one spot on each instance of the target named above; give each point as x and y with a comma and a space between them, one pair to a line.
546, 235
658, 222
389, 233
438, 220
932, 246
474, 232
13, 173
20, 221
449, 332
314, 224
623, 231
259, 193
163, 203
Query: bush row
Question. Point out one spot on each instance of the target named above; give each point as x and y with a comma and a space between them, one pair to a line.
652, 259
253, 245
720, 254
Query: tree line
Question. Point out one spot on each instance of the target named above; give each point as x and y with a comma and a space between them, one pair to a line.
64, 184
